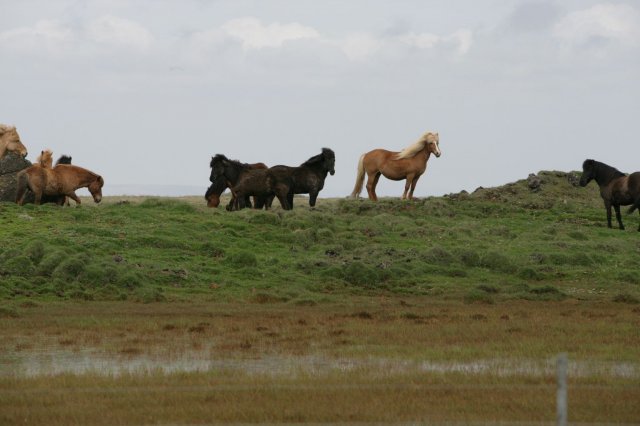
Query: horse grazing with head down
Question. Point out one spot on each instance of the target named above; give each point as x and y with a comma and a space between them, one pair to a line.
309, 177
61, 180
214, 192
10, 141
225, 174
616, 188
409, 164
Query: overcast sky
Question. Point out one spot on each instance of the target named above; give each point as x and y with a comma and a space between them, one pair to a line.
145, 92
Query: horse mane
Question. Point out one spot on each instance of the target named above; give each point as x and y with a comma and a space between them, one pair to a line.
45, 159
414, 148
222, 157
4, 128
603, 170
64, 159
326, 152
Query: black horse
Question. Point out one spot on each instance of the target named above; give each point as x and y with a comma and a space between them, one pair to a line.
616, 188
309, 177
225, 174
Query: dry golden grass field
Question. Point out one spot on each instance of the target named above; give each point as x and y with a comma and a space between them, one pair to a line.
386, 359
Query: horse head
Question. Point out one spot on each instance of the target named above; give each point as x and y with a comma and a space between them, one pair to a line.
95, 188
329, 160
588, 172
10, 136
45, 159
217, 164
213, 193
433, 144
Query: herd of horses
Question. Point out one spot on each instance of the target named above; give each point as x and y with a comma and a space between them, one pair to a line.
256, 185
47, 182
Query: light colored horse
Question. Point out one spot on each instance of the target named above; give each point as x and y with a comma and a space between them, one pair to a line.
45, 159
63, 179
10, 141
409, 164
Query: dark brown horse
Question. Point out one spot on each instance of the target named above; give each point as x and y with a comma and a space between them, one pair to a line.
408, 164
264, 185
62, 179
225, 174
616, 188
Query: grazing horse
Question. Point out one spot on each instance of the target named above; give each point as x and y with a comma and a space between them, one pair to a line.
217, 187
616, 188
63, 179
225, 174
409, 164
309, 177
10, 141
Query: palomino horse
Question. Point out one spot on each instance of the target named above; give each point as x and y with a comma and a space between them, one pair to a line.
10, 141
616, 188
63, 179
409, 164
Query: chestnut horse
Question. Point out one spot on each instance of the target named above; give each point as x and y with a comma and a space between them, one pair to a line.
10, 141
616, 188
63, 179
409, 164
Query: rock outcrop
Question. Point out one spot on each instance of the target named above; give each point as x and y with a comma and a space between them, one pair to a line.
10, 165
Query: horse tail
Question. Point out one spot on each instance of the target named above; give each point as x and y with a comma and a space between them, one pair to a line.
635, 206
359, 178
23, 185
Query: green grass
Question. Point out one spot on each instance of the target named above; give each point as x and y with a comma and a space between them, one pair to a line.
496, 244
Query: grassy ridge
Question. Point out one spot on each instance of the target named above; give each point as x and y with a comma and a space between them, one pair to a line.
495, 244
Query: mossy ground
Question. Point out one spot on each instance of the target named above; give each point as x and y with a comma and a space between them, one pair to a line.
495, 244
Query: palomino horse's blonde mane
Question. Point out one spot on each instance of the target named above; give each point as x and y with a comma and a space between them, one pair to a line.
4, 129
45, 159
414, 148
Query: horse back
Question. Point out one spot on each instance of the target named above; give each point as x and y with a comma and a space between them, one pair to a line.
624, 190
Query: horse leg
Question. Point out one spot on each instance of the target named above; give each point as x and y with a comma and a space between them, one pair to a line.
22, 189
283, 201
413, 186
407, 185
290, 199
313, 196
37, 197
372, 181
74, 197
618, 217
607, 206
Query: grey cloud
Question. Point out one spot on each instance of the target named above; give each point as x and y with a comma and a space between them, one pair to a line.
533, 16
